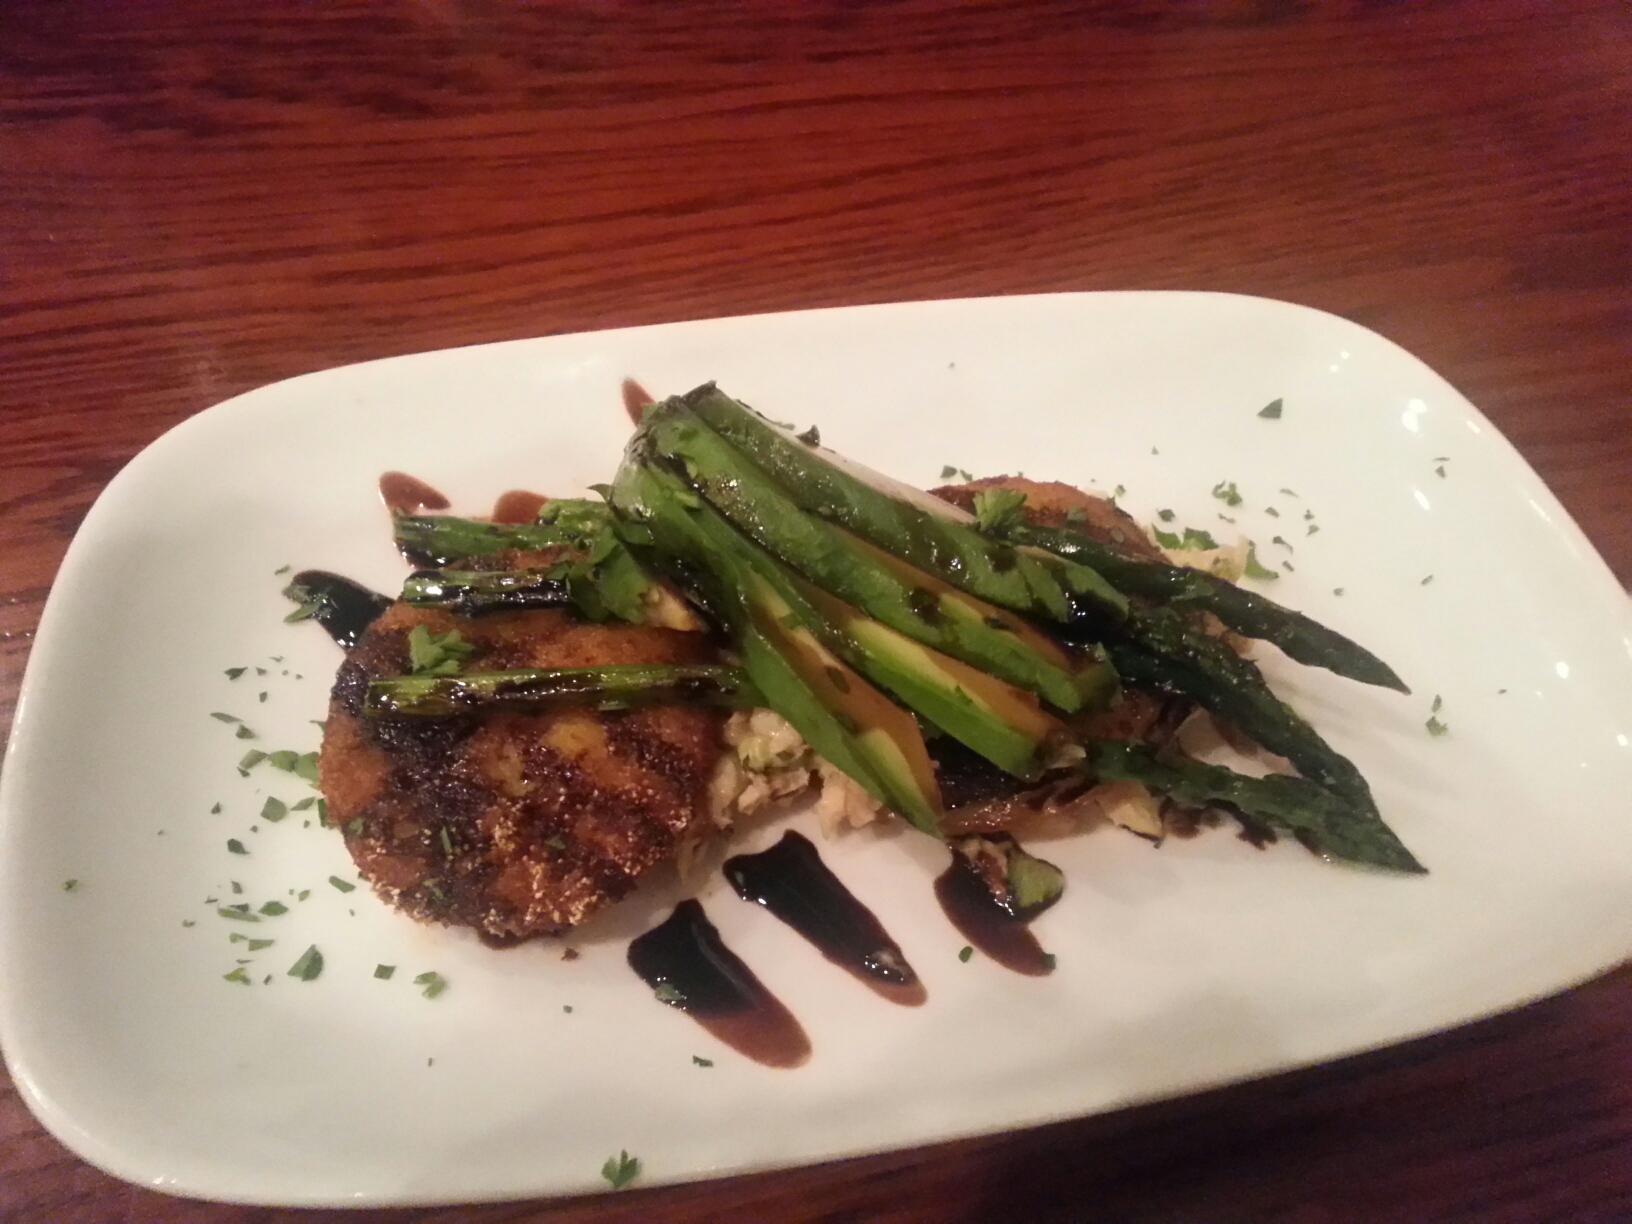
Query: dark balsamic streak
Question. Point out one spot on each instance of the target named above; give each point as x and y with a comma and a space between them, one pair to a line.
687, 963
791, 881
985, 922
344, 608
635, 399
518, 506
405, 494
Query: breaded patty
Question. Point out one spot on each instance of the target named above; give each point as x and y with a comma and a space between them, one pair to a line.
515, 824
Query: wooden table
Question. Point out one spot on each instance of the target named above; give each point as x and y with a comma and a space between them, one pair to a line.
195, 200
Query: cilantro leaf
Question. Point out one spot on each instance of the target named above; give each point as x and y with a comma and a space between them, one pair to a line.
1194, 539
433, 984
1255, 568
998, 508
1271, 411
308, 966
620, 1170
1227, 493
432, 654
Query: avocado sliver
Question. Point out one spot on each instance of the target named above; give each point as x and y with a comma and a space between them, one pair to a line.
1002, 723
898, 595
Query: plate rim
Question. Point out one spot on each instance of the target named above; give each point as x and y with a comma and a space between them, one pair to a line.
85, 1144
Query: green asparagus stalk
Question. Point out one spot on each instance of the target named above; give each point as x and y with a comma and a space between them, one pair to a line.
840, 715
443, 539
1157, 649
1044, 587
616, 687
1250, 614
1323, 821
915, 604
471, 592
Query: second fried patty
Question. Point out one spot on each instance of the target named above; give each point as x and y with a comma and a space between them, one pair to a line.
515, 824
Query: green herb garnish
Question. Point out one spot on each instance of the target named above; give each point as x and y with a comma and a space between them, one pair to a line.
234, 672
273, 908
274, 809
1256, 568
235, 846
1271, 411
237, 975
1165, 515
244, 732
344, 886
1227, 493
308, 966
436, 654
384, 972
965, 953
998, 508
620, 1170
433, 983
237, 913
226, 718
948, 472
668, 993
701, 1062
70, 885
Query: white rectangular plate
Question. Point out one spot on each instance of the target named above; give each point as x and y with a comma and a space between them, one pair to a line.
1180, 968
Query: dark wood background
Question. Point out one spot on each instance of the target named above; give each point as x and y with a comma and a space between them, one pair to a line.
198, 199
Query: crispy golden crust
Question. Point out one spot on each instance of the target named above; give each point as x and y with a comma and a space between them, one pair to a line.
517, 825
1049, 501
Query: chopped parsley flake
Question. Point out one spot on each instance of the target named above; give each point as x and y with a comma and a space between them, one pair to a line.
236, 846
1337, 590
433, 983
668, 993
965, 953
215, 809
237, 975
273, 908
1272, 512
1439, 470
303, 894
620, 1170
701, 1062
1165, 515
274, 809
996, 509
244, 732
948, 472
282, 569
1227, 493
384, 972
226, 718
308, 966
1049, 961
1435, 726
238, 914
1289, 492
1256, 568
1313, 527
344, 886
1438, 702
70, 885
233, 673
250, 759
303, 804
1271, 411
261, 696
1426, 580
436, 654
255, 945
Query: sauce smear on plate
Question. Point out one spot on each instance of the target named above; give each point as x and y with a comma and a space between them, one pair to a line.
405, 494
686, 962
995, 928
792, 882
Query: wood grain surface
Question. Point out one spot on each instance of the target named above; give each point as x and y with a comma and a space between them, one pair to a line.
198, 199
